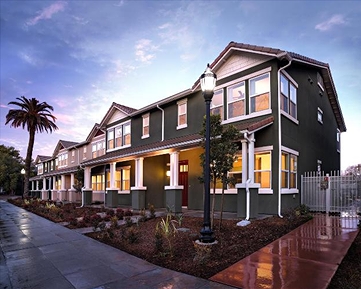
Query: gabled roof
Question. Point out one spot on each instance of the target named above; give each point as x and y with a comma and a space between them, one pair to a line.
282, 54
115, 106
63, 144
40, 159
95, 130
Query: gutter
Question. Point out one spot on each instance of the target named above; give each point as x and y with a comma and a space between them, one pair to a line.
162, 121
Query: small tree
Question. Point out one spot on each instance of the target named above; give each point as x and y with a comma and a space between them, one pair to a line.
222, 154
79, 179
11, 164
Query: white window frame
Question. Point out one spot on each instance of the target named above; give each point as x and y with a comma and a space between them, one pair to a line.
338, 140
214, 107
291, 153
113, 129
145, 124
242, 98
263, 190
290, 83
180, 113
252, 96
320, 82
84, 152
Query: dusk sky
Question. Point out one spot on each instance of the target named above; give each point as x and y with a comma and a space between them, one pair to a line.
80, 56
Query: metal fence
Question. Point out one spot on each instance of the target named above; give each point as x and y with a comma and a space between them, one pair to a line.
332, 193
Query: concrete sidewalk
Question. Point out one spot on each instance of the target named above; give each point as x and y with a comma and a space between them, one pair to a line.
37, 253
307, 257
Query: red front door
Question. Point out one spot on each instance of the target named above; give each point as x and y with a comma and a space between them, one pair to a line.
183, 181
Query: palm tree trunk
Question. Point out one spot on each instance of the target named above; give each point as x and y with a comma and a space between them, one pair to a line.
28, 161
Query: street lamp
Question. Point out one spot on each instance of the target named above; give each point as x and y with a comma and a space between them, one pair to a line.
23, 186
208, 82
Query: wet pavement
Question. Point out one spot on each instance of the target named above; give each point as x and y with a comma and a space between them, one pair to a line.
307, 257
37, 253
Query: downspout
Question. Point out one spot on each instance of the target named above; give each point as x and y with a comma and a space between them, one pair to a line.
280, 128
162, 121
248, 199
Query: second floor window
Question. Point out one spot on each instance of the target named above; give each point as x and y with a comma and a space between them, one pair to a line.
320, 115
182, 113
84, 152
145, 126
40, 169
217, 103
288, 96
259, 92
119, 136
235, 100
98, 149
63, 159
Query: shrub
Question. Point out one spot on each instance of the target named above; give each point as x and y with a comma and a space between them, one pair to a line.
95, 221
131, 235
110, 212
151, 211
119, 213
128, 221
128, 213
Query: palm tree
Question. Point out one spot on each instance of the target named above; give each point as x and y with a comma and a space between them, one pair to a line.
36, 117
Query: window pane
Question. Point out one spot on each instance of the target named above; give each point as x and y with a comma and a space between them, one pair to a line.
264, 178
284, 85
236, 109
262, 161
293, 94
293, 184
218, 110
259, 85
217, 99
284, 103
182, 108
182, 119
236, 92
284, 179
260, 102
284, 161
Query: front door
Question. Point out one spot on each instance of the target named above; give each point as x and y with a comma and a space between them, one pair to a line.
183, 181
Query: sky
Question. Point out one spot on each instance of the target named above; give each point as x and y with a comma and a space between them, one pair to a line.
81, 56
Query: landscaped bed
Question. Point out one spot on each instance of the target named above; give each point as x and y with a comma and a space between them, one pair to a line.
169, 241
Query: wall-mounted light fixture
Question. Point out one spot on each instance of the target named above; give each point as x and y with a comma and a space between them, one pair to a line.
168, 173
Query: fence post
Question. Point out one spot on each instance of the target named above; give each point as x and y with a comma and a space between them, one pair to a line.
328, 193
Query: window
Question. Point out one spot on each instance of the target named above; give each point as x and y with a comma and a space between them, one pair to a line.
262, 169
182, 114
111, 139
145, 126
40, 169
122, 135
259, 92
288, 171
98, 149
320, 82
122, 179
84, 152
320, 115
288, 96
63, 159
235, 100
98, 182
236, 172
217, 103
338, 139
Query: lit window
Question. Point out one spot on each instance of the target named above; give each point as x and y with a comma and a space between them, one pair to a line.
320, 115
259, 91
288, 96
122, 179
98, 183
235, 100
289, 171
146, 125
182, 114
262, 169
111, 139
217, 103
236, 172
122, 135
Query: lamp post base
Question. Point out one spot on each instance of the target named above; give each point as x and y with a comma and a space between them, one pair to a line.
206, 235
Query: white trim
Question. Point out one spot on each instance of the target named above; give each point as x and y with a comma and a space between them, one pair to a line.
118, 148
181, 126
119, 124
244, 78
291, 151
264, 149
173, 187
289, 191
265, 191
247, 116
138, 188
145, 136
290, 78
290, 117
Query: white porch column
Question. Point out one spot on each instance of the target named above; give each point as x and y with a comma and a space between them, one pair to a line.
44, 183
87, 178
251, 158
139, 172
244, 161
37, 184
72, 180
174, 169
33, 185
54, 183
62, 182
112, 175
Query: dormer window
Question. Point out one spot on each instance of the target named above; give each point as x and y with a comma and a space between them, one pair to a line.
119, 136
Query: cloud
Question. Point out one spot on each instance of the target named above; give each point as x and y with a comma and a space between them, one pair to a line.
27, 57
330, 23
144, 50
47, 12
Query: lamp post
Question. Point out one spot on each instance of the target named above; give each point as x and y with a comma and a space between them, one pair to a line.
23, 181
208, 82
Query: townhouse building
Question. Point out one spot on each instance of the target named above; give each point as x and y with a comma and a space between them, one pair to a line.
285, 106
